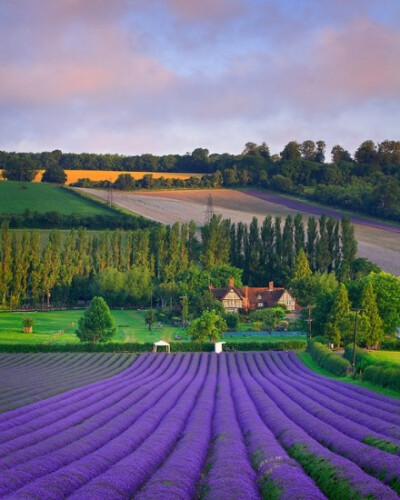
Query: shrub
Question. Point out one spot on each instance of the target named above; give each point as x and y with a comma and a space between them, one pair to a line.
28, 325
232, 320
391, 345
327, 360
381, 373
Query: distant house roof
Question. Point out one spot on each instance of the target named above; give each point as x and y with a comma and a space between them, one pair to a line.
220, 293
252, 297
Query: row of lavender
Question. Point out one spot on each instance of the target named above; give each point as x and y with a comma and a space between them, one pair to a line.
29, 377
234, 425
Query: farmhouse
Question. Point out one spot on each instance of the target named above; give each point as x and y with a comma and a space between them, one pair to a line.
249, 298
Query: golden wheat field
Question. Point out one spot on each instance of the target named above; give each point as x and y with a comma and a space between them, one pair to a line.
104, 175
379, 245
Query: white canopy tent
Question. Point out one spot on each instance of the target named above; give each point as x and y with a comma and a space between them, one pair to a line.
161, 343
218, 347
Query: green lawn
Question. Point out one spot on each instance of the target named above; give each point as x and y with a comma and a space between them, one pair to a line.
43, 197
392, 356
308, 361
60, 326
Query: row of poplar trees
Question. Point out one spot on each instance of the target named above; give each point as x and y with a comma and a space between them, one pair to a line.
269, 252
41, 268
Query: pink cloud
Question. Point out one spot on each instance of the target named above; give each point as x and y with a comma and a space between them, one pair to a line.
357, 62
205, 9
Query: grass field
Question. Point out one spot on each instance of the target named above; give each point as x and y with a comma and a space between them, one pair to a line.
392, 356
310, 363
42, 197
59, 327
108, 175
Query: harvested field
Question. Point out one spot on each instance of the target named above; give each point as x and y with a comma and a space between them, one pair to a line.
111, 175
379, 244
200, 425
27, 378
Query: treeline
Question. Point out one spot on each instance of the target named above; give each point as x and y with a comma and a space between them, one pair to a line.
164, 263
374, 167
268, 252
56, 220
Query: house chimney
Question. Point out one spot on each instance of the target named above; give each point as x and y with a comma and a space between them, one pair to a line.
210, 286
246, 292
231, 282
271, 286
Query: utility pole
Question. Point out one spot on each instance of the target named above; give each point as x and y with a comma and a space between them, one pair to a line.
309, 320
357, 310
209, 209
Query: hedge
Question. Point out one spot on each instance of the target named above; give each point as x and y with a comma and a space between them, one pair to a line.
381, 373
390, 345
147, 347
327, 360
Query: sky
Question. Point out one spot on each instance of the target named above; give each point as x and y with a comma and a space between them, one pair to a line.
169, 76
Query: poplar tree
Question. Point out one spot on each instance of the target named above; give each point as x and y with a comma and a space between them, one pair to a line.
267, 246
302, 268
35, 271
299, 234
312, 239
288, 255
50, 265
5, 263
322, 253
254, 252
339, 325
373, 329
349, 243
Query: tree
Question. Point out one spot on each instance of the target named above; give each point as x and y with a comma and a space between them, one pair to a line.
150, 318
339, 155
373, 332
302, 268
208, 325
54, 174
20, 169
125, 182
387, 290
349, 243
96, 324
338, 325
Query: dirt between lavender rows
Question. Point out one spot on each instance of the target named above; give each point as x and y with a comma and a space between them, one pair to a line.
377, 241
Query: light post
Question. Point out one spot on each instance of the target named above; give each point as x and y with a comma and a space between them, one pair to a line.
357, 310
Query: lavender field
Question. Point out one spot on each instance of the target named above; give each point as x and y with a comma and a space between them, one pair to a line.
228, 426
26, 378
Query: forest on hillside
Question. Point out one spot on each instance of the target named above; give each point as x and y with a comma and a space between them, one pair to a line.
368, 181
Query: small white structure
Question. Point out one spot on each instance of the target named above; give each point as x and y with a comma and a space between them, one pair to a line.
161, 343
218, 347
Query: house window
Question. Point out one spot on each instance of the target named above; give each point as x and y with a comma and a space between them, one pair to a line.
261, 304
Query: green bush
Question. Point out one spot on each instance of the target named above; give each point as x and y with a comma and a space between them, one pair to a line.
381, 373
391, 345
283, 345
327, 360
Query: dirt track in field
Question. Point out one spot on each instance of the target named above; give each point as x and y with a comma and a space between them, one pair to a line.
380, 245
